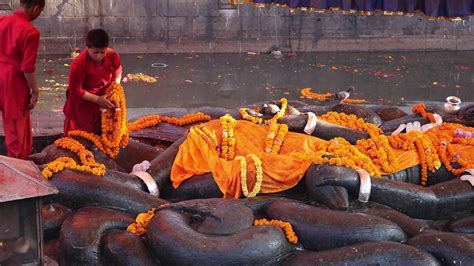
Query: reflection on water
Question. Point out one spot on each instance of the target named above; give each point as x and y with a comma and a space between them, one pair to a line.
231, 80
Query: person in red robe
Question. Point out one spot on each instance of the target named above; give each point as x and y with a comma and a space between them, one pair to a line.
19, 42
92, 71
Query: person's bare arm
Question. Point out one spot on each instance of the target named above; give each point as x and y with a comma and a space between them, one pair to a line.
34, 91
102, 101
118, 79
118, 70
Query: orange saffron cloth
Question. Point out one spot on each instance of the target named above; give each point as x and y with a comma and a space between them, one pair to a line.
280, 171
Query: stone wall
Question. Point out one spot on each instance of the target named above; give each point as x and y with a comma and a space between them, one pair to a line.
172, 26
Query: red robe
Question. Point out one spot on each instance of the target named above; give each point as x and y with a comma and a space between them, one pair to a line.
19, 42
87, 75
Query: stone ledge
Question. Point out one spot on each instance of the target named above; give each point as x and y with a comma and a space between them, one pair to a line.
191, 45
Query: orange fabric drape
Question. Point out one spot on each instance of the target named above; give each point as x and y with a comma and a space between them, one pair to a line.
280, 171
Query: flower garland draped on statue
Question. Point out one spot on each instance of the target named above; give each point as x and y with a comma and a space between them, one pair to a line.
432, 8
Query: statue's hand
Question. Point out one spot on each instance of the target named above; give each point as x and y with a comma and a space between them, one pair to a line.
324, 175
296, 123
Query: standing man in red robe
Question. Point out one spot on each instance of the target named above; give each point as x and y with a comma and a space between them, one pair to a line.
92, 71
19, 42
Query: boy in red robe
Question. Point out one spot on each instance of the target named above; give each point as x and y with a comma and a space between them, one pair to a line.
19, 42
91, 72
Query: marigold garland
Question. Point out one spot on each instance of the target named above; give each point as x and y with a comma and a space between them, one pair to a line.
58, 165
114, 136
420, 109
379, 150
285, 226
244, 114
256, 120
339, 151
275, 137
434, 148
142, 77
424, 145
208, 136
228, 137
155, 119
279, 114
144, 122
354, 101
422, 157
243, 175
89, 136
87, 159
186, 119
279, 139
351, 121
272, 132
443, 137
114, 121
140, 226
306, 92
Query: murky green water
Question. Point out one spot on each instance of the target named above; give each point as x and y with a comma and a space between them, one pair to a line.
231, 80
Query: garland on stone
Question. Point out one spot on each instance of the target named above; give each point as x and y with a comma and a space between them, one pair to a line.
114, 137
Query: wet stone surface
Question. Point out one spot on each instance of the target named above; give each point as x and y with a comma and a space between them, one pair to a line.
229, 80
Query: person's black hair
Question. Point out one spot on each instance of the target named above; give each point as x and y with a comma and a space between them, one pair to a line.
97, 38
31, 3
